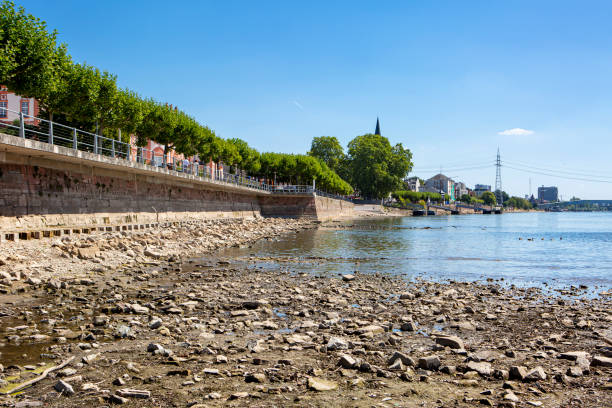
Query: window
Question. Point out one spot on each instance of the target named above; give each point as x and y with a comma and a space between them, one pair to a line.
3, 111
3, 97
25, 107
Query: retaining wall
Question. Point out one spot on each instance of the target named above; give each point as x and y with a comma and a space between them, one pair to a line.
44, 186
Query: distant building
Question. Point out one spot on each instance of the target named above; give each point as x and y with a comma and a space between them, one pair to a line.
413, 183
548, 194
441, 184
11, 105
377, 130
460, 189
480, 189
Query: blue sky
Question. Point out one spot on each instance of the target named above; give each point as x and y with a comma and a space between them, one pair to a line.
445, 78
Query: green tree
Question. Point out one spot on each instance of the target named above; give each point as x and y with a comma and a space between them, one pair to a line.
27, 52
488, 198
80, 93
327, 149
249, 157
130, 111
466, 198
517, 202
377, 168
106, 103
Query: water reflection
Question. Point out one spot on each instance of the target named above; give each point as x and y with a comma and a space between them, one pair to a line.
560, 249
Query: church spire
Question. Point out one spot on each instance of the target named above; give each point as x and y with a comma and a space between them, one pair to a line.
377, 131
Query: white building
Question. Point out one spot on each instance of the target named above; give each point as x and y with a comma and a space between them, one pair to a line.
414, 184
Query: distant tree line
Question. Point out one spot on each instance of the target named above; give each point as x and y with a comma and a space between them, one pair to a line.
33, 64
471, 200
518, 202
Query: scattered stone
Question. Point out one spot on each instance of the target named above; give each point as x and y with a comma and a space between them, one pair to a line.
155, 323
131, 393
536, 374
64, 388
431, 363
336, 343
482, 368
319, 384
255, 378
347, 361
518, 373
601, 361
453, 342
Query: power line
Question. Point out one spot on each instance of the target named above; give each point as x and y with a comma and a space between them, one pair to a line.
557, 175
452, 169
571, 173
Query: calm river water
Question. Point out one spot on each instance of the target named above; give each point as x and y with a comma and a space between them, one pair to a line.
566, 248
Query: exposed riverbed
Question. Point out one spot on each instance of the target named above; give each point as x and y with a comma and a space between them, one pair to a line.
273, 323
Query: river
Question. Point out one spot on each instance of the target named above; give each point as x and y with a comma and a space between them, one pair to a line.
549, 250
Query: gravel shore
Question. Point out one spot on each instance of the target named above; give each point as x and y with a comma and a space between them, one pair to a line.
140, 321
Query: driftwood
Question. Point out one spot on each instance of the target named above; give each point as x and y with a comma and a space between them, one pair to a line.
40, 377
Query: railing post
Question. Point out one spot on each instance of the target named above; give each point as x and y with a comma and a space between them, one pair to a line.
50, 132
21, 126
113, 147
74, 139
96, 144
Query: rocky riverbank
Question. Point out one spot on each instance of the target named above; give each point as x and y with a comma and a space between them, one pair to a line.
139, 323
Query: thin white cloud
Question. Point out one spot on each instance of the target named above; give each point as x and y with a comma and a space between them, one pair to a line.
299, 106
516, 132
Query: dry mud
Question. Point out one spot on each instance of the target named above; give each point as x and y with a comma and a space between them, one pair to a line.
144, 324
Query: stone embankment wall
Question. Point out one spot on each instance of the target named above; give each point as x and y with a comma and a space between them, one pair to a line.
329, 208
45, 186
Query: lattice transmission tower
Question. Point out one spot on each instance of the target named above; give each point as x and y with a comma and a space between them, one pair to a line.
498, 186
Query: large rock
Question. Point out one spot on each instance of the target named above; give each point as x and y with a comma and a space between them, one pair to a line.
517, 372
337, 343
348, 361
429, 363
453, 342
536, 374
89, 252
409, 326
64, 388
601, 361
574, 355
319, 384
481, 368
406, 360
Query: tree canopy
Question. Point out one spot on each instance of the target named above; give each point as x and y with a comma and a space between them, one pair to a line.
488, 198
518, 202
33, 64
329, 150
376, 167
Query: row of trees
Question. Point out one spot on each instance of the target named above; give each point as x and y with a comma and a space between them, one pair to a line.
416, 197
371, 164
33, 64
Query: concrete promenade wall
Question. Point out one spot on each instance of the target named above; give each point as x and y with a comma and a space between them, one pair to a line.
44, 186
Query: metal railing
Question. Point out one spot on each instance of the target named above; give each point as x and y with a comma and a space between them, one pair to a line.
43, 130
